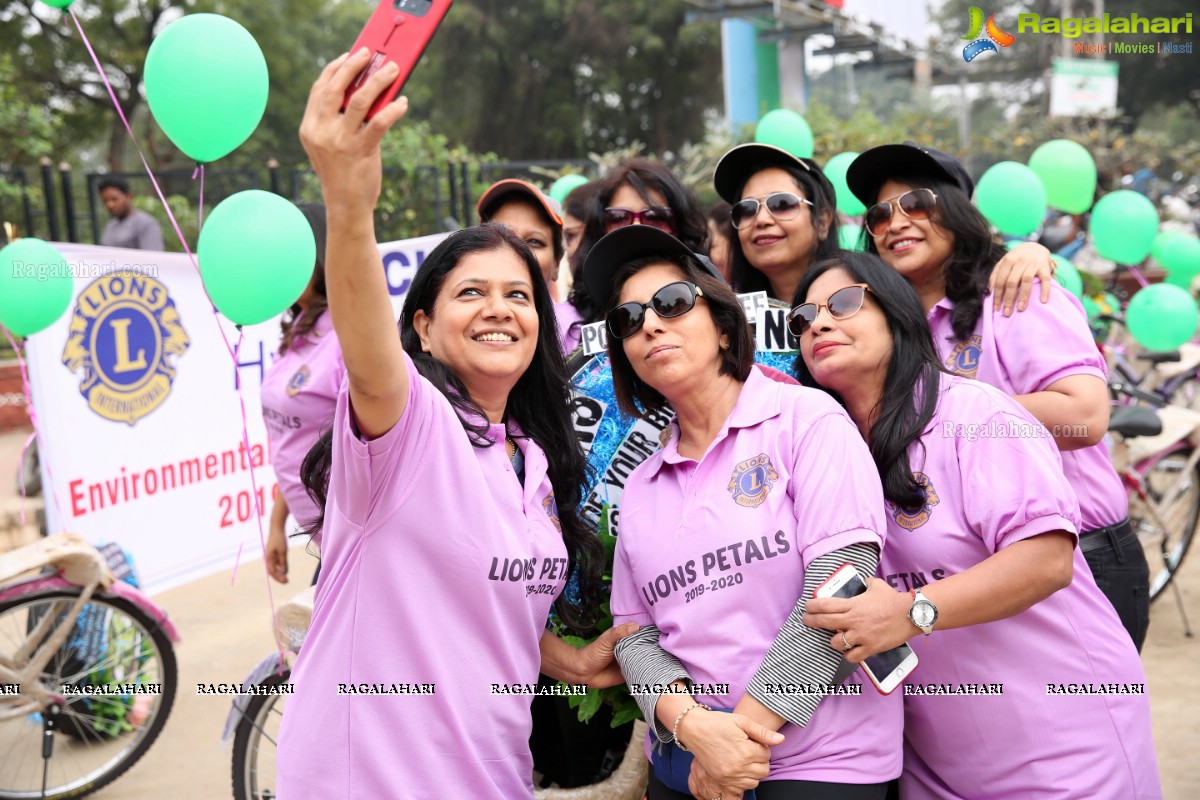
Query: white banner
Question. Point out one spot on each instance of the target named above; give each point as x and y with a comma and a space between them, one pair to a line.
138, 409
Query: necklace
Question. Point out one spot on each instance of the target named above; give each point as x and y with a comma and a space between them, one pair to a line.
510, 447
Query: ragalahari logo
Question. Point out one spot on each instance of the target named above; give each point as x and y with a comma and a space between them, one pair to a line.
978, 45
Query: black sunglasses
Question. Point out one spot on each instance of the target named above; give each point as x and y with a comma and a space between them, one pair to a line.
659, 217
673, 300
782, 205
842, 304
914, 204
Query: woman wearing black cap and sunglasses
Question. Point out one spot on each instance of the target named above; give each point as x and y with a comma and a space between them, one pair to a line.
922, 224
784, 211
762, 490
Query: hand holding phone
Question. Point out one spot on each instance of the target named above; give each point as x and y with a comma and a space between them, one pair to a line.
888, 669
398, 32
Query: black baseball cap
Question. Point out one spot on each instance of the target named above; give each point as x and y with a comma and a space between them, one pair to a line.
738, 164
627, 244
873, 168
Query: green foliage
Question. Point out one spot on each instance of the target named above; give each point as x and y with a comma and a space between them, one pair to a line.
186, 215
29, 129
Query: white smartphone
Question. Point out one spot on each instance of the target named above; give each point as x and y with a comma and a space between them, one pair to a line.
888, 669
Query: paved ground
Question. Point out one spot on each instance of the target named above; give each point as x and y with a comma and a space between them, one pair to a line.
226, 631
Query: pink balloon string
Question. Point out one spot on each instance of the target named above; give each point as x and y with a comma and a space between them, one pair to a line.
1138, 276
37, 433
192, 259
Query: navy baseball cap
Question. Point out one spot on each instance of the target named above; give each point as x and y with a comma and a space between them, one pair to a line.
741, 162
873, 168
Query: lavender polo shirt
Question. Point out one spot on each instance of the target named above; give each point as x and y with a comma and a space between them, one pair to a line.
1027, 352
569, 326
438, 570
993, 710
714, 552
299, 393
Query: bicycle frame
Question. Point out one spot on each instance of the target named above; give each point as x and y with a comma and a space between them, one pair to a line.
35, 694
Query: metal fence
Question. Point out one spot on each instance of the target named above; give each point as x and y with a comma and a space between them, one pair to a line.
56, 204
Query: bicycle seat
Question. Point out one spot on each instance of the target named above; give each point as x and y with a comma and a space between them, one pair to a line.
1134, 421
1160, 358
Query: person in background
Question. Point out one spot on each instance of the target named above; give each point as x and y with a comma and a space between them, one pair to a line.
576, 207
762, 491
922, 224
299, 395
721, 237
638, 192
1027, 686
537, 219
130, 228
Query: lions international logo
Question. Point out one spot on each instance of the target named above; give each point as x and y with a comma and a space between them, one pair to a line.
299, 380
551, 508
964, 359
912, 521
752, 481
125, 334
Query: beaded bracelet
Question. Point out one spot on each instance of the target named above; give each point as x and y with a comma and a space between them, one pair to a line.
678, 719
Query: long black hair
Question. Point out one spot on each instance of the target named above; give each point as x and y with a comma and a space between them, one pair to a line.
746, 278
297, 322
910, 390
644, 176
538, 403
975, 254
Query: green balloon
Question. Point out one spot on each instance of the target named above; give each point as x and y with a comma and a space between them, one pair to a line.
1106, 303
1012, 197
835, 170
1162, 317
1068, 276
850, 237
58, 3
1179, 254
1123, 227
1068, 172
565, 185
787, 130
206, 83
257, 254
35, 286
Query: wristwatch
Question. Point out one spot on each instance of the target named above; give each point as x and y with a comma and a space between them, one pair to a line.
923, 612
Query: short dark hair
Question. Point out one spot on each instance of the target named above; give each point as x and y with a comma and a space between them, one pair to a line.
637, 398
113, 182
744, 276
518, 198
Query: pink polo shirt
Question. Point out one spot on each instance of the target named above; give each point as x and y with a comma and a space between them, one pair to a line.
438, 568
1027, 352
714, 554
569, 324
991, 482
299, 393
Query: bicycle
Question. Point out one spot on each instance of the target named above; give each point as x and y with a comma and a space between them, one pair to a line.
87, 668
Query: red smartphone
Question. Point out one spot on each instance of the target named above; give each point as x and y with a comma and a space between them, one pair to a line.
398, 31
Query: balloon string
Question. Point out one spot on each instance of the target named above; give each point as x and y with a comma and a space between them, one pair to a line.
1138, 276
37, 432
192, 259
200, 212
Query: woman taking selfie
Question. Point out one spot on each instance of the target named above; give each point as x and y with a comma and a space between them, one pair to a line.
922, 224
1027, 685
449, 485
762, 490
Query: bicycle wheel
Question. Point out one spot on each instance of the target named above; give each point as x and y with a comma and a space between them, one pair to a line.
113, 644
254, 742
1166, 524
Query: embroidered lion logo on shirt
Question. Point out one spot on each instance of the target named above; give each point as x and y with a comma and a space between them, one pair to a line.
912, 520
551, 509
299, 380
752, 481
964, 358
